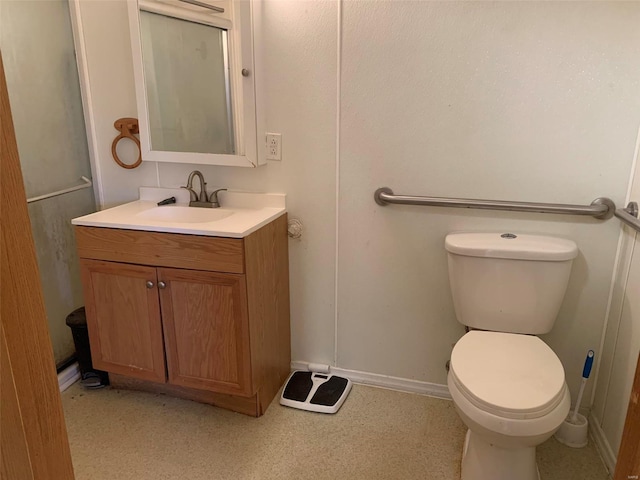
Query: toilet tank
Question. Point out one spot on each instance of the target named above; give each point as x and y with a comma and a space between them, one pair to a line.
508, 283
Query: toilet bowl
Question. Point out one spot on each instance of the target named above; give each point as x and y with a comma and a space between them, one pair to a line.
510, 391
507, 385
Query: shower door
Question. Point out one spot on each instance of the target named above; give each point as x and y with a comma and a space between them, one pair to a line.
40, 66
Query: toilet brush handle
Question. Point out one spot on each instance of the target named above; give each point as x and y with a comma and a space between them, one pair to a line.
586, 371
588, 363
574, 417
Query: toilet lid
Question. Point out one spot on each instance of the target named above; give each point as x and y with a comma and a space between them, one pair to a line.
508, 374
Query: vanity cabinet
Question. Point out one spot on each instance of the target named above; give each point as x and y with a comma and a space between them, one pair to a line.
123, 317
205, 318
206, 330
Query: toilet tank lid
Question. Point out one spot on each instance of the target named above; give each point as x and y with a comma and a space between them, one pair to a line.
511, 246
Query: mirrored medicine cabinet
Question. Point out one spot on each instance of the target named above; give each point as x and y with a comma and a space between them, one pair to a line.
195, 74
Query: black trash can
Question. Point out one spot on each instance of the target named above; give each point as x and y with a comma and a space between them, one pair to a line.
91, 378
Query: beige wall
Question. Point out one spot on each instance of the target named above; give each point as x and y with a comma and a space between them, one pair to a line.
518, 101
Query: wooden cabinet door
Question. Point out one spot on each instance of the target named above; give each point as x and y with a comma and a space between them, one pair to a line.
123, 316
628, 464
206, 330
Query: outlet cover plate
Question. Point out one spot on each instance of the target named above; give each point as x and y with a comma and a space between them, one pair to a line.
274, 146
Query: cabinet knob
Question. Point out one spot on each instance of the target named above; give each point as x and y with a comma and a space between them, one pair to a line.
150, 284
162, 285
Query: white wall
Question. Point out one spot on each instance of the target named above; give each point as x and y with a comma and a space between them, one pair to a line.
509, 100
521, 101
621, 342
109, 94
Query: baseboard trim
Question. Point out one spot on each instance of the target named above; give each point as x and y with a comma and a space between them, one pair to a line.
602, 444
386, 381
68, 376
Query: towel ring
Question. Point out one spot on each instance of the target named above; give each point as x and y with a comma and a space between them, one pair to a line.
127, 127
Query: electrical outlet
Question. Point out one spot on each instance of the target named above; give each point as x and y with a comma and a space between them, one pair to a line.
274, 146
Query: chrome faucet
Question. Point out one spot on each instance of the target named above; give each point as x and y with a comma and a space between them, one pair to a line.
202, 200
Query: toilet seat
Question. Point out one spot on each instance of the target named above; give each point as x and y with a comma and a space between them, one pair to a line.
508, 375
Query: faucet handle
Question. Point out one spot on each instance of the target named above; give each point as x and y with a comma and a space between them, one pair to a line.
213, 196
194, 195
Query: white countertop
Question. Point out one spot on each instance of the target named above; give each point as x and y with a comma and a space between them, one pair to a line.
243, 213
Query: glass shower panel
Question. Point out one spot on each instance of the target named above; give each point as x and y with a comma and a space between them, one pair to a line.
44, 91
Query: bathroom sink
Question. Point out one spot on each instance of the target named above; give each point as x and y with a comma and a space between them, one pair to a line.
241, 213
178, 214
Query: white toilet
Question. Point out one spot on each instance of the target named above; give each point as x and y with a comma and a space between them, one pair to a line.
507, 385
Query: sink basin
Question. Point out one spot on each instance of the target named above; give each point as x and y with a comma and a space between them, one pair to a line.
177, 214
241, 214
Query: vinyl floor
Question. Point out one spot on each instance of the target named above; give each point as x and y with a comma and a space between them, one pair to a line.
378, 434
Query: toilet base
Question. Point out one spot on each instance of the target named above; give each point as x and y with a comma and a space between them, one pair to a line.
483, 461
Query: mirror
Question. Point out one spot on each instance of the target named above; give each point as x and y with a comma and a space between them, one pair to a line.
187, 85
195, 80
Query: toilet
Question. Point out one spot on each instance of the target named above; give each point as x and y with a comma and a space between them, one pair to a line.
507, 385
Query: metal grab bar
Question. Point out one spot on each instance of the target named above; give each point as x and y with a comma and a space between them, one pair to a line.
629, 215
602, 207
87, 183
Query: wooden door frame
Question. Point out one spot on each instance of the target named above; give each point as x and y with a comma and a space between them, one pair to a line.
33, 435
628, 463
